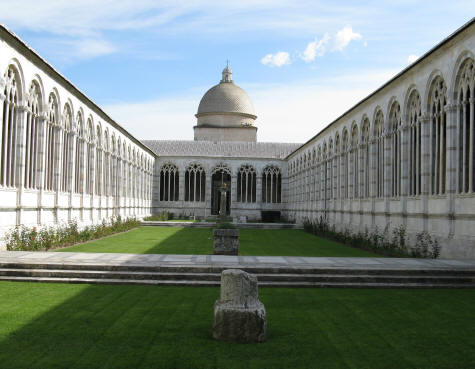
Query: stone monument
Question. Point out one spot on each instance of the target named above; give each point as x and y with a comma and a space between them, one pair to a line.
226, 239
239, 316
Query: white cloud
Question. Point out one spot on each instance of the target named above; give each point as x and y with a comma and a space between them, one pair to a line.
412, 58
344, 37
314, 48
276, 60
90, 48
286, 112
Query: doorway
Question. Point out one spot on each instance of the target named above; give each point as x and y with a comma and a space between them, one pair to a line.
218, 179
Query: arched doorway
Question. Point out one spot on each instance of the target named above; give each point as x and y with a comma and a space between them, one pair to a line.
221, 175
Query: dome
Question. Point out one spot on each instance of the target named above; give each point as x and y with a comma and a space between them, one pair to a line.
226, 97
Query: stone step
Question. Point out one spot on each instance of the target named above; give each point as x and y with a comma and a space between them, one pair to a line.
255, 270
216, 284
98, 274
215, 277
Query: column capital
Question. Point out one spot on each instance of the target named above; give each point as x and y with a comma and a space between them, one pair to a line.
452, 107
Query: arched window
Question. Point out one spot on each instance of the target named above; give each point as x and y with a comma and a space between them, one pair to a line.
169, 182
98, 173
79, 155
319, 173
378, 135
106, 169
324, 169
415, 134
345, 167
466, 128
354, 162
90, 157
337, 166
395, 143
195, 183
31, 136
246, 184
271, 184
51, 147
9, 128
438, 136
330, 169
65, 158
365, 157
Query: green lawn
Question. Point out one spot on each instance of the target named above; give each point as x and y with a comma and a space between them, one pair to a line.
179, 240
98, 326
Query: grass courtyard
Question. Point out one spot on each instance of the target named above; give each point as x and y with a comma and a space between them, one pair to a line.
99, 326
199, 241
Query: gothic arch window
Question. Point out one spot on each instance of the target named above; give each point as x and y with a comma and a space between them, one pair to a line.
66, 142
169, 183
438, 136
466, 128
106, 168
9, 127
98, 172
113, 166
337, 166
51, 147
395, 145
324, 169
195, 183
32, 135
79, 154
319, 172
90, 157
415, 143
246, 184
378, 135
365, 157
330, 169
271, 184
354, 162
345, 164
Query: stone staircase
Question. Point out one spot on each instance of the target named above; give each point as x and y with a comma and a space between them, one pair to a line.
209, 275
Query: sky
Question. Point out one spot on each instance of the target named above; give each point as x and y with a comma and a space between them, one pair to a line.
147, 63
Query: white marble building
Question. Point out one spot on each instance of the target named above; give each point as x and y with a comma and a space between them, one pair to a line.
404, 155
61, 156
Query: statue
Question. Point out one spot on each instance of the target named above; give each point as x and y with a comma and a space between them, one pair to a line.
223, 202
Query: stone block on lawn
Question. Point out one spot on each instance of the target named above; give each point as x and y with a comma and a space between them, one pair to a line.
239, 316
226, 241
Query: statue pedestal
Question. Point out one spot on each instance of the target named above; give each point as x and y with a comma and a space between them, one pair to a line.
226, 241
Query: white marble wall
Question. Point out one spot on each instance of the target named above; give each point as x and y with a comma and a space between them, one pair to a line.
449, 215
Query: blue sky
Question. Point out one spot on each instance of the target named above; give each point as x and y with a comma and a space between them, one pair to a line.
303, 63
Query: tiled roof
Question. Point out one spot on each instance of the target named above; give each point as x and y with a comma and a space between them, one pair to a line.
226, 98
264, 150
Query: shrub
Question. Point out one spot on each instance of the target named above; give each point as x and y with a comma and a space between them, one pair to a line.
380, 242
163, 216
225, 225
22, 238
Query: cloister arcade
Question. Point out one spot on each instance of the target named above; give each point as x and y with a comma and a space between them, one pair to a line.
189, 188
406, 156
61, 157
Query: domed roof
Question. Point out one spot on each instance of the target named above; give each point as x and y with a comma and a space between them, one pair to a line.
226, 97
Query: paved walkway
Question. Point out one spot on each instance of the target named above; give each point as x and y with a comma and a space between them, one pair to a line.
110, 259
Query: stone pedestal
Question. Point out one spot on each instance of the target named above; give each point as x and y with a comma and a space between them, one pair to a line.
239, 316
226, 241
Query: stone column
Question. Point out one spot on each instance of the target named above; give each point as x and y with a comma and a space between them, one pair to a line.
40, 174
372, 178
405, 147
20, 158
425, 167
451, 163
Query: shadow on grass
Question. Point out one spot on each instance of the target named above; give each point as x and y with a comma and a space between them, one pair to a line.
83, 326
